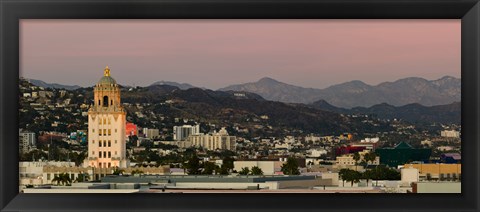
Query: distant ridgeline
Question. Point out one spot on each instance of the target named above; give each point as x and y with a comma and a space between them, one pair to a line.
250, 102
358, 94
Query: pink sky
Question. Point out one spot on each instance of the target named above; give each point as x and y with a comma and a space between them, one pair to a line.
218, 53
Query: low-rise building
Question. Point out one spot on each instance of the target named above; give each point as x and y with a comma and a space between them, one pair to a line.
151, 133
268, 167
437, 172
437, 187
401, 154
450, 133
347, 160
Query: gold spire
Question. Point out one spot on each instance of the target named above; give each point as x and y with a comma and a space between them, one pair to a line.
106, 72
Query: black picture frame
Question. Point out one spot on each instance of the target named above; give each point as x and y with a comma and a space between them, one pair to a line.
13, 10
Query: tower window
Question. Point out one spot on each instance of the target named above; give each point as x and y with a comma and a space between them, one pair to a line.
100, 154
105, 101
111, 102
109, 155
100, 144
109, 144
98, 102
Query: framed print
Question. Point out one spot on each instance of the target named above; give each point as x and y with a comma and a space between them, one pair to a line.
210, 105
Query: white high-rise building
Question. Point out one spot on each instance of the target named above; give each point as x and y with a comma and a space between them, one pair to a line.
106, 126
27, 140
180, 133
218, 140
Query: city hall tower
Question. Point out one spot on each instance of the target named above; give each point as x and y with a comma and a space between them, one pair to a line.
106, 126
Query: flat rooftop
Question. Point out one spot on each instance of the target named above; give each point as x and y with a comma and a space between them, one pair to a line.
200, 178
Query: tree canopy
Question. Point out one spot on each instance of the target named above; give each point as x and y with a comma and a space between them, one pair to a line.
290, 167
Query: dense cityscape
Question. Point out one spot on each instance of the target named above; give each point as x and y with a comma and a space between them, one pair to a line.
163, 138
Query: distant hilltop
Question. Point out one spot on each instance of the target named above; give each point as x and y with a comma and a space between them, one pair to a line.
445, 90
41, 83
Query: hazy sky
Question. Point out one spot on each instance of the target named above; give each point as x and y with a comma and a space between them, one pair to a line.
217, 53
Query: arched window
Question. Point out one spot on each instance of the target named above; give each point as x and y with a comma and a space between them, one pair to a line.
105, 101
98, 102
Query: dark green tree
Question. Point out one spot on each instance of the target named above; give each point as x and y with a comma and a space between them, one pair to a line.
208, 168
82, 177
193, 165
352, 176
256, 171
244, 171
342, 174
228, 162
117, 171
62, 179
222, 170
367, 175
356, 158
370, 157
290, 167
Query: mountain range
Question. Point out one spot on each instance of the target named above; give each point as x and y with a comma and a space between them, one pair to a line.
241, 105
356, 93
52, 85
237, 106
445, 90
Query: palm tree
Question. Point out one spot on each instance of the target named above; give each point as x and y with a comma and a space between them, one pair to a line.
63, 179
367, 175
57, 179
343, 173
356, 157
371, 156
352, 176
66, 180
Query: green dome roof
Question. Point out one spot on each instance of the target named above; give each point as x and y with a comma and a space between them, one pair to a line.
106, 80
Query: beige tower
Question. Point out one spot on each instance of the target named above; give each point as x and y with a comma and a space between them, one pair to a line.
106, 126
